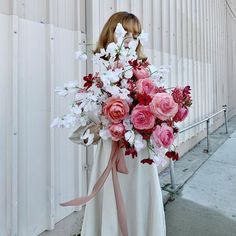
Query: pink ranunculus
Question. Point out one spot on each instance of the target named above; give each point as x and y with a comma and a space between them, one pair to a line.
163, 135
117, 131
142, 117
163, 106
116, 109
181, 114
141, 72
145, 86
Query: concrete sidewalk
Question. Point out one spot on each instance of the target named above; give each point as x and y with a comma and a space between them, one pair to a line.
206, 205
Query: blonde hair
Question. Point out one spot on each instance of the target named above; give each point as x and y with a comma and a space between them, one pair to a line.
131, 24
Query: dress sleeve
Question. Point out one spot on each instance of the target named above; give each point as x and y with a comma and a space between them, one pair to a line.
75, 135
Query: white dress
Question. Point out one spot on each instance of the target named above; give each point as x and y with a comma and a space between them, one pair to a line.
141, 193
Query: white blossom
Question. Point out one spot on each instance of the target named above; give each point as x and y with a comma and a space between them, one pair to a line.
104, 134
120, 32
139, 142
89, 136
130, 136
79, 55
143, 38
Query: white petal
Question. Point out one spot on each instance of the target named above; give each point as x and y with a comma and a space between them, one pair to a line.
120, 31
79, 55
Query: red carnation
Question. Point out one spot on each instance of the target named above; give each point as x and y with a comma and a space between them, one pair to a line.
148, 161
173, 155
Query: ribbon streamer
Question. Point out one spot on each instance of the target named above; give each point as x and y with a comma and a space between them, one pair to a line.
116, 164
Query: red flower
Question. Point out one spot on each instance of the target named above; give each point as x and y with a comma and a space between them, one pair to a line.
131, 151
186, 90
88, 81
143, 99
148, 161
160, 90
146, 134
178, 95
173, 155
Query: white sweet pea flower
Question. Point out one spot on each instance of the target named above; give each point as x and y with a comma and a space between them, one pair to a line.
61, 91
143, 38
120, 31
123, 94
74, 108
88, 136
113, 76
128, 72
139, 142
130, 136
72, 84
127, 124
133, 45
57, 122
113, 89
111, 49
79, 55
104, 134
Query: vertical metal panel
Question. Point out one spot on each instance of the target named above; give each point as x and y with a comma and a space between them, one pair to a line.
5, 126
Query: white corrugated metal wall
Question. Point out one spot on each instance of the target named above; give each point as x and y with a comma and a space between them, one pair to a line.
39, 167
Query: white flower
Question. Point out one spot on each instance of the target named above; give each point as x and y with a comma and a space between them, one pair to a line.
111, 49
61, 91
80, 56
120, 31
114, 90
57, 122
127, 124
72, 84
130, 136
143, 38
123, 94
104, 134
139, 142
128, 72
88, 136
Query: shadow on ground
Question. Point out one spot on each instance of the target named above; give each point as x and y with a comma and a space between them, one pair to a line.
186, 218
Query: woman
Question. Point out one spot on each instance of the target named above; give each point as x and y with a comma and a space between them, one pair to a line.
140, 187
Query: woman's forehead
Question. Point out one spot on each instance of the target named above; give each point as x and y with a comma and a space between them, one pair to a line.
132, 27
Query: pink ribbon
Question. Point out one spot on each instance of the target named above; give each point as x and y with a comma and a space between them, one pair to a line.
116, 164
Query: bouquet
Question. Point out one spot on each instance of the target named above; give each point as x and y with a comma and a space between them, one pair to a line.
127, 102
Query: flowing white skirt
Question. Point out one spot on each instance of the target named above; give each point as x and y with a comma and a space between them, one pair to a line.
141, 193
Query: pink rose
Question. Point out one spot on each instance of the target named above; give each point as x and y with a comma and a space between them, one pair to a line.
116, 109
117, 131
141, 72
142, 117
181, 114
163, 135
163, 106
145, 86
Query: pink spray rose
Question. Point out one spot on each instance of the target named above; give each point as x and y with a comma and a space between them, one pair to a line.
145, 86
117, 131
116, 109
163, 106
163, 135
142, 117
141, 72
181, 114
